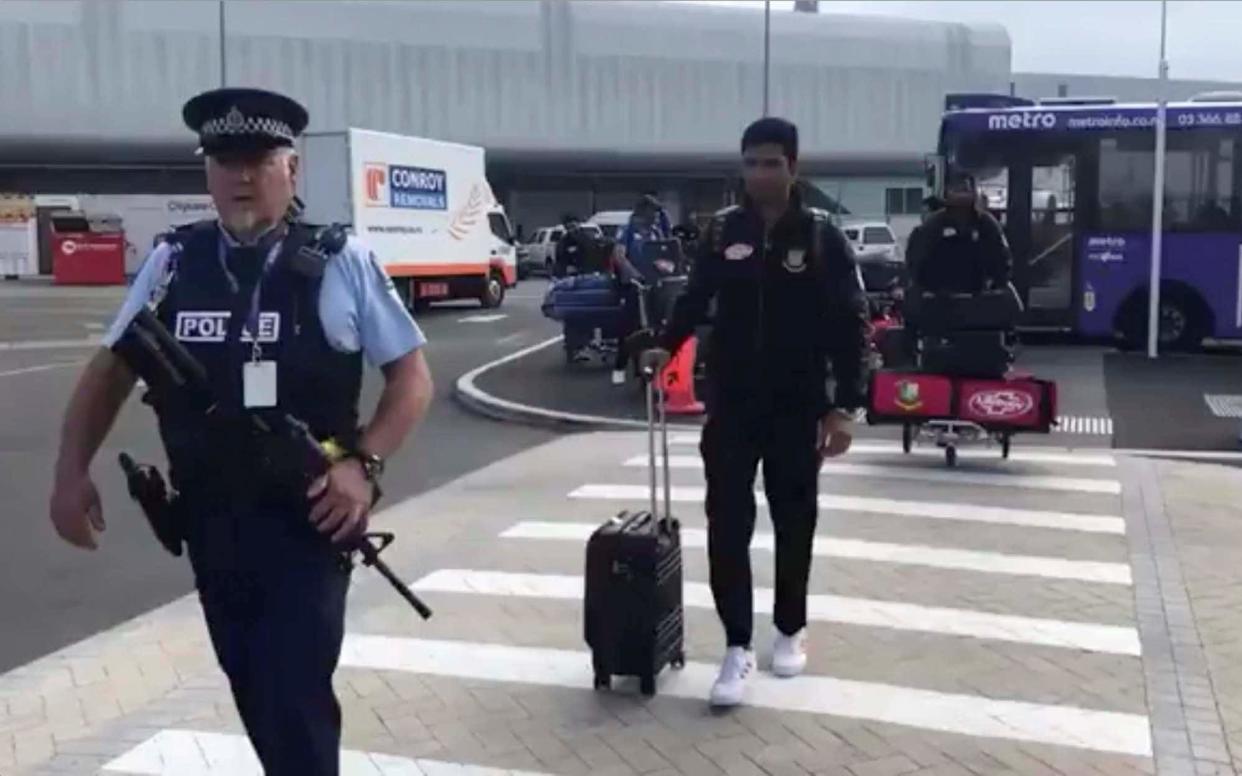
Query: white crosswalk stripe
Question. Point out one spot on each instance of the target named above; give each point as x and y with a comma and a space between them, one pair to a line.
880, 552
931, 510
826, 608
892, 450
196, 753
939, 711
945, 476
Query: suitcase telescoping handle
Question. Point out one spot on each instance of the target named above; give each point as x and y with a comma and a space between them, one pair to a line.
655, 401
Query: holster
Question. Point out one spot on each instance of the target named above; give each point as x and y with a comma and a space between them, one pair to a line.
162, 510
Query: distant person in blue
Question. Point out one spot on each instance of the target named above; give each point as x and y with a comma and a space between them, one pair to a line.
649, 222
275, 332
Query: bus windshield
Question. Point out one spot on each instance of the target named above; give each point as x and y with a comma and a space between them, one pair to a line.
1073, 185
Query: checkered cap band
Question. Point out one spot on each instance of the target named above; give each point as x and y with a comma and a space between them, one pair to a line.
235, 124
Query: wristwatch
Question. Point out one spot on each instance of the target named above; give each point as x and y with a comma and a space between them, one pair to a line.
372, 465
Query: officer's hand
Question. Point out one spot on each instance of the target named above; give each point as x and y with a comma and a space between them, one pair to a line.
835, 435
342, 498
76, 510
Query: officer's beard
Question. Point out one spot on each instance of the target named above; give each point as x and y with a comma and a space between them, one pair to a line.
246, 225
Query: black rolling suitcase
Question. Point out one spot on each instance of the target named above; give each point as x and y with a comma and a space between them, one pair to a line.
633, 617
967, 354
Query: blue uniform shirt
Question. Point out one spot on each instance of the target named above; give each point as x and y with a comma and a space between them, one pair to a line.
358, 305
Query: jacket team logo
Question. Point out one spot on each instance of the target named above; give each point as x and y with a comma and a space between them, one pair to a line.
1001, 405
795, 260
908, 396
739, 251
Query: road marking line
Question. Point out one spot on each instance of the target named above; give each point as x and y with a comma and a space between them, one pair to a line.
93, 326
175, 752
41, 368
880, 552
931, 510
483, 318
1224, 405
972, 715
61, 344
825, 608
949, 476
1056, 456
1091, 425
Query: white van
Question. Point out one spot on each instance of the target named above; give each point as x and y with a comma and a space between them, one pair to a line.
424, 206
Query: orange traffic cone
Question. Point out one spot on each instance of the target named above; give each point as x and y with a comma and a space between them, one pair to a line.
677, 382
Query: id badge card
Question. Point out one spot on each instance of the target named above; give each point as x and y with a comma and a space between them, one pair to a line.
259, 383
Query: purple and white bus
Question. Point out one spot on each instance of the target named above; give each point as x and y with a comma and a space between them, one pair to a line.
1072, 183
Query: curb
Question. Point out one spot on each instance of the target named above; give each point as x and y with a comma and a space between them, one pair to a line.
475, 399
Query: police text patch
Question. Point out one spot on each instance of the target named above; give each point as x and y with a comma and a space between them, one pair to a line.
213, 326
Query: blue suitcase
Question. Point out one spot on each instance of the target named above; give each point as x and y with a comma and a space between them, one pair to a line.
592, 296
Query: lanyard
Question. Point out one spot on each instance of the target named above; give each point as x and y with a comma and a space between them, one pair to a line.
252, 317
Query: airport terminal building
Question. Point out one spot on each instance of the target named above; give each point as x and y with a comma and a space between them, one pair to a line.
580, 105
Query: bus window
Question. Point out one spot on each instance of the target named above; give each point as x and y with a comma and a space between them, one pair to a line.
1200, 184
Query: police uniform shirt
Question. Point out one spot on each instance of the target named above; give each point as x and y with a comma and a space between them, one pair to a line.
358, 305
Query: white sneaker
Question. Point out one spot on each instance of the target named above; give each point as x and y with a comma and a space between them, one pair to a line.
735, 671
789, 654
618, 377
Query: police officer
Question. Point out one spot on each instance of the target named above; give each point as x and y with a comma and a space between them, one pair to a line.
961, 247
790, 314
269, 577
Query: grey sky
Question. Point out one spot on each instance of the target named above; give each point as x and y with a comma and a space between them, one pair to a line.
1113, 37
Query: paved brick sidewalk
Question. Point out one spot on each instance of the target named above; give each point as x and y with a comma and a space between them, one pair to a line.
990, 624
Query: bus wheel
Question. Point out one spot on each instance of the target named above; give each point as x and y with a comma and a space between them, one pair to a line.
1183, 320
493, 291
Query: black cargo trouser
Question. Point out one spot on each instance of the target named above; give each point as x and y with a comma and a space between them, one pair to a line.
273, 594
734, 441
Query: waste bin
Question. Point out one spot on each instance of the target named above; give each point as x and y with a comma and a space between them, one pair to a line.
87, 250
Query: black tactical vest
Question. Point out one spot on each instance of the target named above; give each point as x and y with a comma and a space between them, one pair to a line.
315, 383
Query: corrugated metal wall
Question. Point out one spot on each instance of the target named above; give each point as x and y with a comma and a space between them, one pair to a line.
642, 78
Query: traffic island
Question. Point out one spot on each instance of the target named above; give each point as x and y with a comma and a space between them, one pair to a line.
536, 385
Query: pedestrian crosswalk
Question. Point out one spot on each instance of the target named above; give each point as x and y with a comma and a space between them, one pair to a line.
989, 603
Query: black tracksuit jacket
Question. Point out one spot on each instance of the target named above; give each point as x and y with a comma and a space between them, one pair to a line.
789, 330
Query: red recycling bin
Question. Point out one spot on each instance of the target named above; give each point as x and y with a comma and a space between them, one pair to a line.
88, 258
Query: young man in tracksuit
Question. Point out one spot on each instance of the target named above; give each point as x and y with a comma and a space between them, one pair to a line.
790, 318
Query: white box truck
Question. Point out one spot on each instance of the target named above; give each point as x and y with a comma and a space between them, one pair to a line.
424, 206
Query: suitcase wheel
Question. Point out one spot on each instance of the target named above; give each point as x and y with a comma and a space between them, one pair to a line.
603, 681
647, 684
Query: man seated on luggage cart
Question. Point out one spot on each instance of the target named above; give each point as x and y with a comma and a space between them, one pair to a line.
960, 248
961, 309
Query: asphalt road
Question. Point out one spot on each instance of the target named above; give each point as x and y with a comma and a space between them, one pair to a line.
52, 594
544, 379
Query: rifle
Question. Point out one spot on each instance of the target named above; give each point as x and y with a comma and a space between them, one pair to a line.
171, 370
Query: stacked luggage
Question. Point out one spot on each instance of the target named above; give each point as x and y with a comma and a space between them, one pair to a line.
958, 367
965, 335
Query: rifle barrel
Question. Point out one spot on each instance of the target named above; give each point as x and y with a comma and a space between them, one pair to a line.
371, 558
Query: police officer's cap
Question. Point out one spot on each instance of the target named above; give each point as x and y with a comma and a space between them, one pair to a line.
243, 120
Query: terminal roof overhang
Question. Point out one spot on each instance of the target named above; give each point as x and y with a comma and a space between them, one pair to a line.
78, 153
